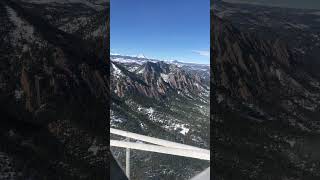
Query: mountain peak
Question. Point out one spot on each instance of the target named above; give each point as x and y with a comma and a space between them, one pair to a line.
141, 56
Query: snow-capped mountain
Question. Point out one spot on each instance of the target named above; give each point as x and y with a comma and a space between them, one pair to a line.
134, 63
162, 100
142, 56
156, 80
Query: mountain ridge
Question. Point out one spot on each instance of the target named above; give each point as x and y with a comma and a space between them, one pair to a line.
157, 78
164, 100
265, 104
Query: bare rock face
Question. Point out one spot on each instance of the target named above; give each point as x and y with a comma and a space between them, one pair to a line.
25, 84
243, 63
161, 98
154, 80
263, 99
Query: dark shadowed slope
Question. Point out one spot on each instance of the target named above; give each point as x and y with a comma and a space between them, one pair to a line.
265, 108
54, 97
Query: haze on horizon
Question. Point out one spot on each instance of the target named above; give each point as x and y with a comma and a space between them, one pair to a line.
164, 30
306, 4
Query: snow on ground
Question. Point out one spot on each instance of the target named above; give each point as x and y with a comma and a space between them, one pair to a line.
169, 124
142, 125
116, 71
182, 128
297, 26
291, 142
220, 98
133, 68
22, 28
18, 94
114, 120
141, 71
7, 171
150, 111
196, 138
94, 148
75, 24
165, 77
127, 60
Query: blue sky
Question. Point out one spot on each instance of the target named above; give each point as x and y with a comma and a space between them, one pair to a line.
163, 29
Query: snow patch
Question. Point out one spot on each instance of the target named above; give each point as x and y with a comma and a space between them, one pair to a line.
142, 126
133, 68
150, 111
18, 94
220, 98
291, 143
181, 127
297, 26
141, 71
94, 148
116, 71
23, 30
165, 77
184, 129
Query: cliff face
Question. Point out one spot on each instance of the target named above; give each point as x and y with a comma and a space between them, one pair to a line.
265, 107
155, 80
163, 99
244, 64
54, 90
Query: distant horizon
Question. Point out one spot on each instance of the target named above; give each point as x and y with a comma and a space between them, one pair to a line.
297, 4
163, 30
158, 59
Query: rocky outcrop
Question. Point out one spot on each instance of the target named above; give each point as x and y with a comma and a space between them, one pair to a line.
258, 87
155, 80
245, 63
